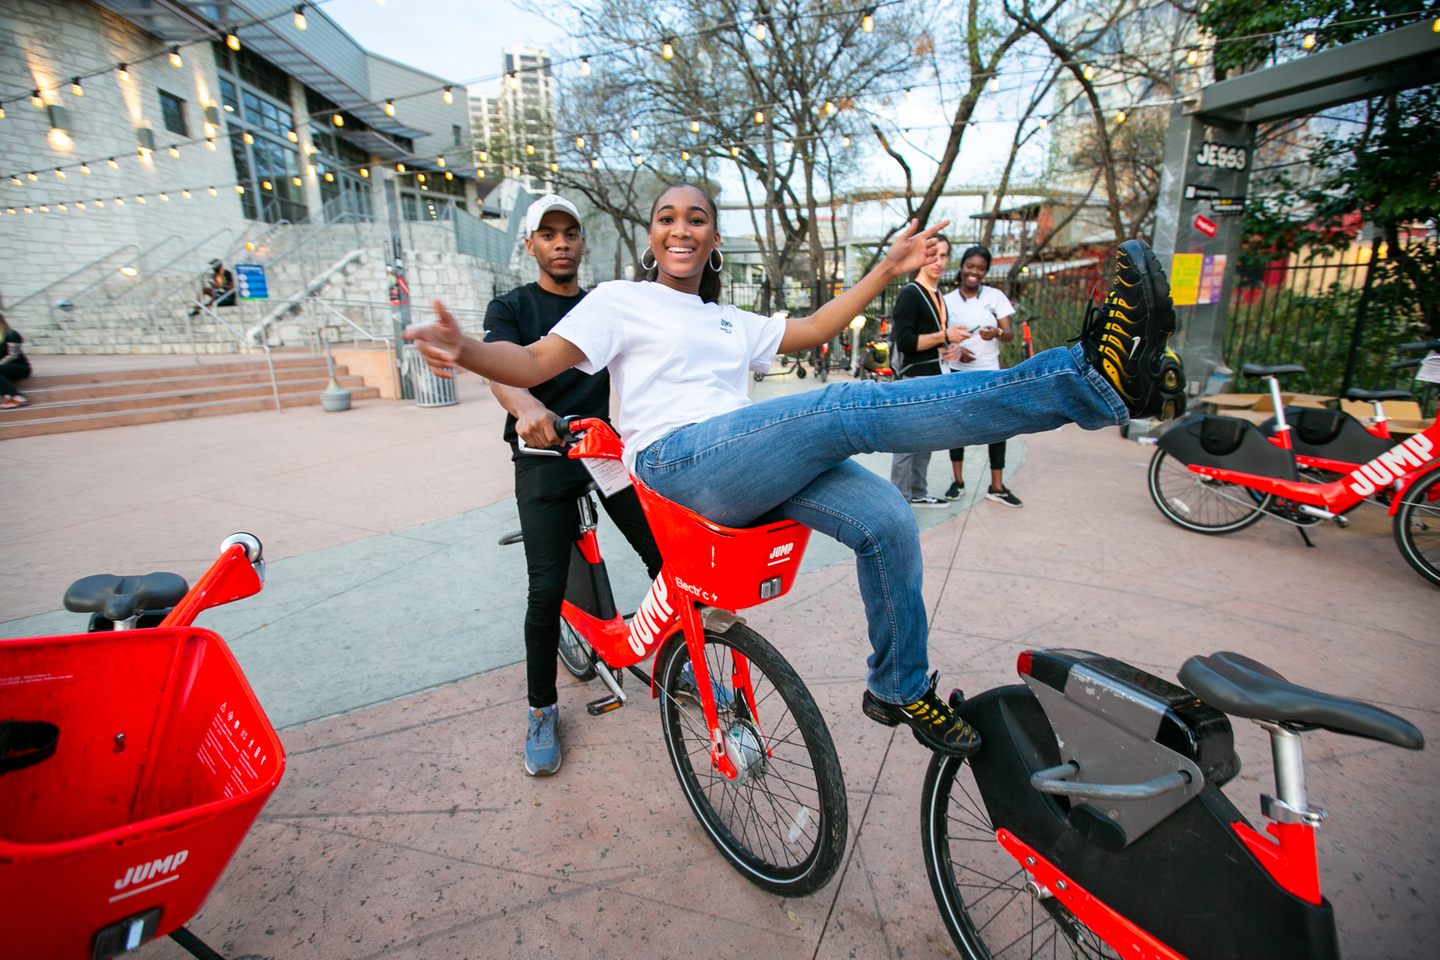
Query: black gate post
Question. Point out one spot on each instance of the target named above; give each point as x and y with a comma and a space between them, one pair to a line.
1360, 310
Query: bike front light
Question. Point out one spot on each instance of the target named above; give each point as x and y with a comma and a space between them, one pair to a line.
769, 589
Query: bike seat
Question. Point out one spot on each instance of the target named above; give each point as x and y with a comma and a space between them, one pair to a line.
1355, 393
1246, 688
1255, 370
120, 598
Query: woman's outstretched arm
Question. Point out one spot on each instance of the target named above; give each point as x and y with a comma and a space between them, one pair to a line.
444, 348
910, 251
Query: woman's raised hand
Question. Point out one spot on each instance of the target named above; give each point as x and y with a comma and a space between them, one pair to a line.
912, 250
439, 341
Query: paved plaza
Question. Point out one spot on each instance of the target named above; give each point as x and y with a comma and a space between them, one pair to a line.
386, 646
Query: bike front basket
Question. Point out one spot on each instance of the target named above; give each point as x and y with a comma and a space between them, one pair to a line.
114, 829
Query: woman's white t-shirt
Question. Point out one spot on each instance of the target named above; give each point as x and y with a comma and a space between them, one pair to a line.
674, 359
986, 309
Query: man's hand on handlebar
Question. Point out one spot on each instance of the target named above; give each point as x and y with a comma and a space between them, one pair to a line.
439, 342
536, 426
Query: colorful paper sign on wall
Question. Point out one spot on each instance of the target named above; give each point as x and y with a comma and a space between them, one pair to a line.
1205, 225
1196, 278
250, 278
1185, 278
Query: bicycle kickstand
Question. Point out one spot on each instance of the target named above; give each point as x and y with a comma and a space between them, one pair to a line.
193, 945
1304, 536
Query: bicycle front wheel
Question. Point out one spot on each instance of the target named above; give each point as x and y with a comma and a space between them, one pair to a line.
1417, 526
1202, 504
575, 653
980, 889
782, 821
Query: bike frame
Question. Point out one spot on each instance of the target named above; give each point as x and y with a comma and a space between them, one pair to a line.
1380, 427
723, 564
1400, 467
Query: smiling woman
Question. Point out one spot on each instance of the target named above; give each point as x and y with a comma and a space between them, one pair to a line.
680, 361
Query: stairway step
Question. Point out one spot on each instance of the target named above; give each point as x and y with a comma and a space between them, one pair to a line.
197, 378
94, 421
162, 372
200, 395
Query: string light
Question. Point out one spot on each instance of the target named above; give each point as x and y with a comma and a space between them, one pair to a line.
214, 192
76, 89
60, 173
175, 60
249, 139
239, 188
1193, 56
32, 176
530, 149
389, 108
15, 180
595, 164
484, 157
514, 171
399, 168
61, 207
300, 16
585, 65
339, 120
684, 155
1309, 41
185, 194
1089, 72
294, 137
265, 184
867, 22
668, 50
451, 176
759, 31
113, 164
908, 92
165, 197
36, 100
554, 168
2, 111
994, 84
759, 116
734, 151
844, 141
329, 178
1044, 123
638, 159
28, 210
634, 133
44, 209
210, 144
80, 205
140, 200
694, 126
580, 142
449, 97
365, 172
124, 73
1119, 116
232, 41
310, 169
295, 180
85, 168
829, 107
514, 81
144, 155
174, 150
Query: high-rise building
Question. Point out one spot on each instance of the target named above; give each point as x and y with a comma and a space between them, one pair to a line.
526, 117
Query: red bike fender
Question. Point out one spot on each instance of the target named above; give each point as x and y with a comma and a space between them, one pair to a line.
1128, 939
1408, 481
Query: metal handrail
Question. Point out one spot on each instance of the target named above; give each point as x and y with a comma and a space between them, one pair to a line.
200, 275
154, 274
322, 301
269, 361
74, 273
143, 255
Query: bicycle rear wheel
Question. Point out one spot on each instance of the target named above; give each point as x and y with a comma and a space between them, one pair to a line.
1417, 527
575, 653
1202, 504
980, 889
782, 822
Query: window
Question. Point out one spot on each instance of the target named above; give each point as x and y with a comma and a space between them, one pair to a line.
456, 128
172, 109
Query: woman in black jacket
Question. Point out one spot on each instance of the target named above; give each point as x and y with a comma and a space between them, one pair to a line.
919, 332
13, 366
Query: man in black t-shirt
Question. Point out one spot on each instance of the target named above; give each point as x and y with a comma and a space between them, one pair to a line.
547, 488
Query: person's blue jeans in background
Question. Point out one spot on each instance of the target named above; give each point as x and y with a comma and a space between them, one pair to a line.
789, 458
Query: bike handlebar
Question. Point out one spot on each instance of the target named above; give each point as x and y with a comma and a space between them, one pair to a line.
1419, 345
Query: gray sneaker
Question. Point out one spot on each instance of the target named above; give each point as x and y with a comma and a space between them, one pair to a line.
542, 742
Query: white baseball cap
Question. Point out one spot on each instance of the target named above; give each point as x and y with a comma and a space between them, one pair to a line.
544, 205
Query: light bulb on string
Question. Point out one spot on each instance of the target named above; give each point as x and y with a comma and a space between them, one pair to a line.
694, 126
60, 173
296, 180
140, 200
451, 176
300, 16
365, 172
144, 155
1089, 71
36, 100
185, 194
44, 209
85, 168
338, 120
399, 168
759, 116
554, 168
1119, 116
175, 60
75, 87
580, 142
80, 205
329, 178
514, 79
585, 66
595, 163
165, 197
1193, 56
249, 139
734, 151
667, 50
174, 150
908, 92
389, 108
293, 136
639, 159
1044, 123
994, 84
15, 180
2, 111
32, 176
530, 149
684, 155
232, 41
844, 141
829, 107
759, 31
213, 192
209, 144
1309, 41
449, 97
514, 171
867, 23
634, 133
113, 164
484, 157
440, 162
124, 73
61, 207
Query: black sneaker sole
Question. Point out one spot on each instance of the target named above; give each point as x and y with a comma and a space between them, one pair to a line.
1148, 377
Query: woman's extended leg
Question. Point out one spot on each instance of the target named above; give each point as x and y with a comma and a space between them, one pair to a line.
735, 467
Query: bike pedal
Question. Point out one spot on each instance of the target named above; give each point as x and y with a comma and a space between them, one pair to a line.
1342, 522
604, 705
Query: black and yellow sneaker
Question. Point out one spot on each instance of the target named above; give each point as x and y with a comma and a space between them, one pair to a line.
931, 719
1126, 338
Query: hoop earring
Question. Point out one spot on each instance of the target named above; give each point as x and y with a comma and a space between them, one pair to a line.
647, 267
717, 267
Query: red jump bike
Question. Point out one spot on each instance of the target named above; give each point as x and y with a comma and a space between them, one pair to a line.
749, 746
1092, 823
133, 760
1218, 475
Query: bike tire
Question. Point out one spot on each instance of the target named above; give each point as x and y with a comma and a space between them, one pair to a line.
979, 887
1417, 526
575, 654
782, 824
1199, 503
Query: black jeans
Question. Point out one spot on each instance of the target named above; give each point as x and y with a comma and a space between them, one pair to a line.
9, 373
546, 491
997, 455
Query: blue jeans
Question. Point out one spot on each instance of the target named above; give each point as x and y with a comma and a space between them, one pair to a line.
789, 458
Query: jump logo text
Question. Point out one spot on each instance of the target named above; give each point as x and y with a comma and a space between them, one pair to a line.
143, 872
652, 617
1392, 465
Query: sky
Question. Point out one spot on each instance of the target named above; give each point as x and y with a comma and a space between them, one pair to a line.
461, 40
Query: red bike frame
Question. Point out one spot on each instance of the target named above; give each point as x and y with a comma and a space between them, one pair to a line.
705, 564
1281, 439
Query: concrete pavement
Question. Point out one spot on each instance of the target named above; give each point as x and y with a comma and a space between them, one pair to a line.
409, 828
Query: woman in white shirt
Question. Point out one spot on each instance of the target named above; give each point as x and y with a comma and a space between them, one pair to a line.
982, 314
679, 361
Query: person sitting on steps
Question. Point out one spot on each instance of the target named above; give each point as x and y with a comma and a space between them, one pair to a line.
680, 360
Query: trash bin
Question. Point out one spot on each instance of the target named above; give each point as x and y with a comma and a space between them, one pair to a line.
430, 390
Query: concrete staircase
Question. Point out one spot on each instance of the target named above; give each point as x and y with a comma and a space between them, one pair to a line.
63, 403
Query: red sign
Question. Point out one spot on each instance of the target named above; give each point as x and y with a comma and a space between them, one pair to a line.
1205, 226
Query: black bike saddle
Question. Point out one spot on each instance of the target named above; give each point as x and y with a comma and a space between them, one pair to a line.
1355, 393
1246, 688
1255, 370
120, 598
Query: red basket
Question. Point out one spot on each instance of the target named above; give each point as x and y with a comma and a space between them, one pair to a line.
115, 840
727, 567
